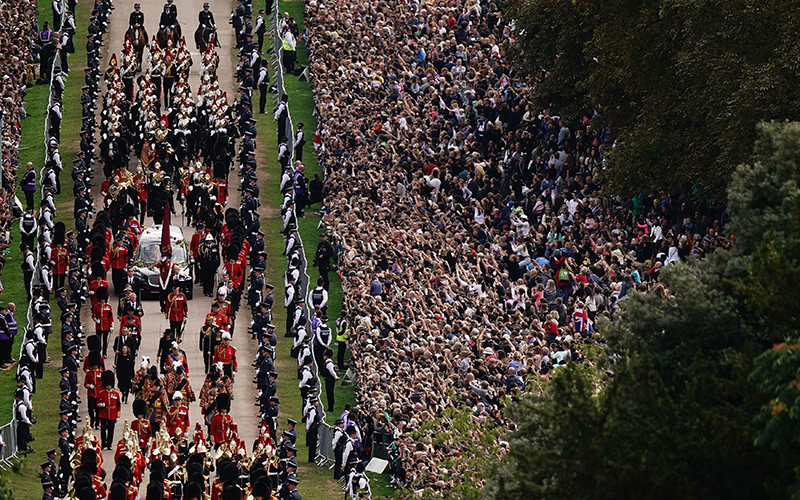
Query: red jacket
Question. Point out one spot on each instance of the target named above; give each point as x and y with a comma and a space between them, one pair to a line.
177, 307
92, 382
177, 416
220, 427
226, 355
103, 316
110, 404
60, 256
119, 257
143, 429
222, 192
134, 323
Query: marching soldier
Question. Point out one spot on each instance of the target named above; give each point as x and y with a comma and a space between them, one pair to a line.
119, 263
221, 424
103, 316
177, 310
177, 414
226, 354
109, 403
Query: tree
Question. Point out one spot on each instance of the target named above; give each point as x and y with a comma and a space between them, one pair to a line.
683, 83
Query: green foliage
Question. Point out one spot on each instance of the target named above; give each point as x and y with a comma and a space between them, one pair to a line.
700, 405
683, 83
462, 449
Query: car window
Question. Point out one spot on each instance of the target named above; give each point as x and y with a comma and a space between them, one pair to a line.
150, 253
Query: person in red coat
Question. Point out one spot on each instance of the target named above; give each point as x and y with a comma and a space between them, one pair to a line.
103, 316
97, 281
226, 354
141, 425
177, 416
177, 310
119, 263
93, 384
109, 403
221, 424
194, 248
60, 256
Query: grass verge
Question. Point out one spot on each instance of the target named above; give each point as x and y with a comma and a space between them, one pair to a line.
25, 475
316, 482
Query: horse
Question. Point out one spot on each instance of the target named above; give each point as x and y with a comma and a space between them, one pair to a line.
166, 33
203, 37
138, 41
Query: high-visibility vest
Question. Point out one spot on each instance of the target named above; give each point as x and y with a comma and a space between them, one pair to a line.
342, 331
289, 42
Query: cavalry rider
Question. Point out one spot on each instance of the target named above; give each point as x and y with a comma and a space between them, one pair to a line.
137, 19
169, 17
206, 20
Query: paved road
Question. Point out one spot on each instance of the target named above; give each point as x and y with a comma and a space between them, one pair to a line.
153, 322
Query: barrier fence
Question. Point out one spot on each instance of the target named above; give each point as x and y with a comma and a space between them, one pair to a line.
8, 432
324, 451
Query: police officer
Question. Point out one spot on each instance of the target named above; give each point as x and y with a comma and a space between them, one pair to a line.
318, 297
337, 443
322, 259
23, 418
342, 335
329, 373
28, 264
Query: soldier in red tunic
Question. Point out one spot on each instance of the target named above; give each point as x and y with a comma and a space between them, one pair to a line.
194, 248
141, 425
93, 384
97, 281
226, 354
177, 310
103, 316
109, 402
60, 256
119, 263
177, 415
221, 424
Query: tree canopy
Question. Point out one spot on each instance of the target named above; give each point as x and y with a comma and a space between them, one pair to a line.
682, 83
698, 396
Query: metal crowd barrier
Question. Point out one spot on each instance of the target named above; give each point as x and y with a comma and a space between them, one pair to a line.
324, 452
8, 452
9, 431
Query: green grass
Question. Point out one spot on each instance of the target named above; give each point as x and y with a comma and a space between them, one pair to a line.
25, 475
316, 483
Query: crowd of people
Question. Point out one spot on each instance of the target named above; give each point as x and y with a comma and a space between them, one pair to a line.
474, 248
